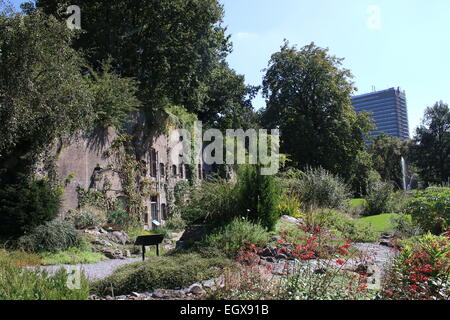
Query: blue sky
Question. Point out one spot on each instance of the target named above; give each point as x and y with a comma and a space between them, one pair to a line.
408, 46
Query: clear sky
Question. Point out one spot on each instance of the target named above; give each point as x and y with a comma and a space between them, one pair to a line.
385, 43
407, 46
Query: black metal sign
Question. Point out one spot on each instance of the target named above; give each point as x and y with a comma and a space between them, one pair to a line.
150, 240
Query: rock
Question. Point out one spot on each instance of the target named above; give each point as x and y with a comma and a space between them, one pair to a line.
119, 237
292, 220
180, 244
267, 252
112, 254
281, 256
320, 271
158, 293
102, 242
135, 294
127, 253
196, 289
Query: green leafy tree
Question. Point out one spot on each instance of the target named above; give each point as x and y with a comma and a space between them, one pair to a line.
169, 46
43, 93
308, 97
386, 152
430, 148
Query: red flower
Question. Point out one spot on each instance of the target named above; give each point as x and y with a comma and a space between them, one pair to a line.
340, 261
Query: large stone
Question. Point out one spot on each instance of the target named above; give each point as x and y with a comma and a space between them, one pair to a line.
119, 237
112, 254
292, 220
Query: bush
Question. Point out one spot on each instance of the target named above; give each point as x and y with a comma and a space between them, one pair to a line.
431, 209
320, 189
87, 218
164, 272
421, 270
343, 226
404, 227
22, 284
27, 205
289, 206
119, 218
379, 198
258, 196
175, 223
232, 237
211, 201
53, 236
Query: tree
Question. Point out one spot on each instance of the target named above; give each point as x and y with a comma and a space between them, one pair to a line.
43, 93
308, 99
386, 152
169, 46
430, 148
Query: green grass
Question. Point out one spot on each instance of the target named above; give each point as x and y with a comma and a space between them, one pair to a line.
164, 272
72, 256
354, 203
381, 222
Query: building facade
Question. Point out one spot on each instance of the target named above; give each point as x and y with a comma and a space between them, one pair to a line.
388, 110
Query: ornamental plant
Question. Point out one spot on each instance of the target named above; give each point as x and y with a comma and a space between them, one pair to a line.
431, 209
421, 271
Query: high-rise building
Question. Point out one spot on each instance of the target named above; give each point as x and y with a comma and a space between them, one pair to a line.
389, 111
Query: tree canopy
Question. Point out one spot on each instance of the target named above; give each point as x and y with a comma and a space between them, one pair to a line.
430, 148
308, 99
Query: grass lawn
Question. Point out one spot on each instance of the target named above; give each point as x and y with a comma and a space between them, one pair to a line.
380, 222
72, 256
357, 203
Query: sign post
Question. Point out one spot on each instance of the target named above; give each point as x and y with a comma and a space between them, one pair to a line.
151, 240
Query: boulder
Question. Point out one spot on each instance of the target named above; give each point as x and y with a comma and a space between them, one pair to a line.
196, 289
112, 254
119, 237
292, 220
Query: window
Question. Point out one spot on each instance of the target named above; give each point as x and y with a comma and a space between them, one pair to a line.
153, 162
154, 208
161, 169
200, 171
181, 171
174, 170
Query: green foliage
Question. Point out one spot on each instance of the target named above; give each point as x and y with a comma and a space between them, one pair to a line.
342, 226
214, 200
232, 237
318, 188
431, 209
164, 272
379, 197
93, 198
114, 97
43, 92
403, 226
430, 148
86, 218
308, 97
53, 236
169, 46
259, 196
22, 284
382, 222
386, 152
26, 205
72, 256
119, 217
175, 223
289, 206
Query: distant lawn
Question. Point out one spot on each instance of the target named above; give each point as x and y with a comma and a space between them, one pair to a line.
381, 222
357, 203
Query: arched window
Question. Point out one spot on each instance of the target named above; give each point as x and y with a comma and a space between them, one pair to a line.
200, 171
174, 170
162, 169
181, 170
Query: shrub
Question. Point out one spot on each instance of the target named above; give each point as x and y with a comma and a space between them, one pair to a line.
164, 272
403, 226
379, 197
431, 209
232, 237
87, 218
175, 223
320, 189
27, 205
421, 270
23, 284
211, 201
53, 236
119, 217
342, 225
289, 206
258, 196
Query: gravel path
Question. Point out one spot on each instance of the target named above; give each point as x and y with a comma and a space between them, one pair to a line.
95, 271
